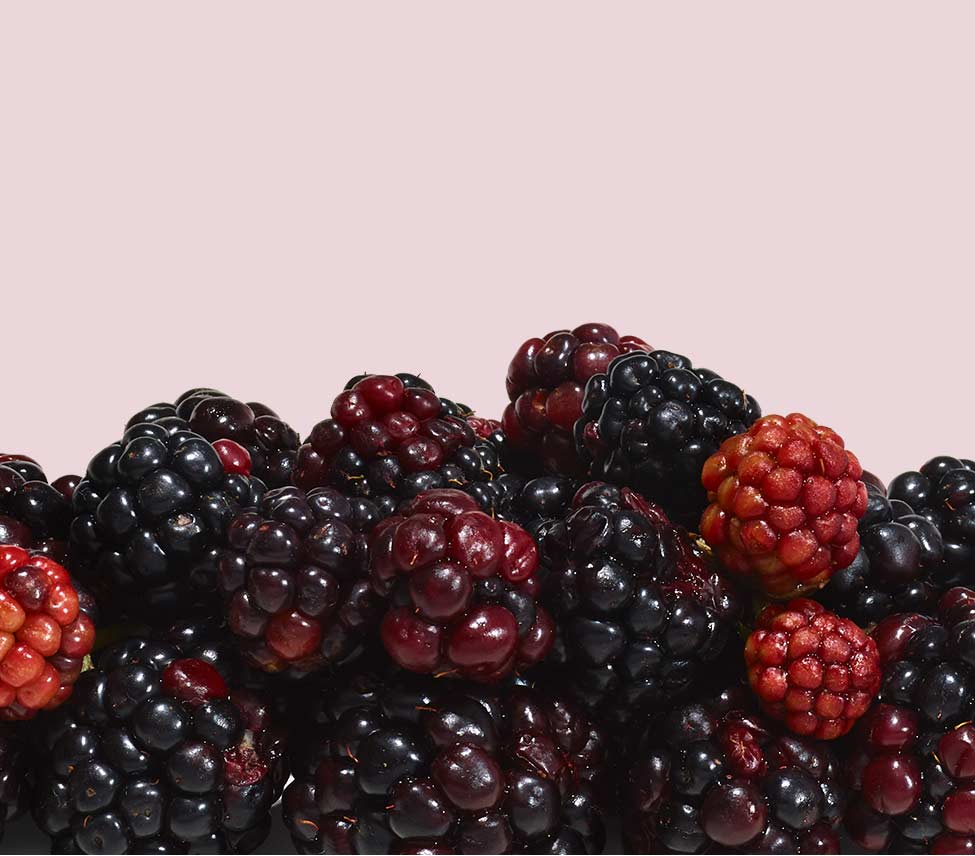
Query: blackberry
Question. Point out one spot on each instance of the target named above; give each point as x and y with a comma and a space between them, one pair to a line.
899, 567
712, 777
15, 763
159, 751
642, 613
150, 515
911, 761
546, 380
295, 579
389, 439
33, 513
652, 420
439, 767
270, 442
531, 502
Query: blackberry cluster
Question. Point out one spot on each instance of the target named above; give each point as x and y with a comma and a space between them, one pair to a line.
641, 611
150, 515
912, 761
295, 578
714, 778
15, 763
899, 567
159, 751
651, 420
34, 514
270, 442
440, 767
390, 438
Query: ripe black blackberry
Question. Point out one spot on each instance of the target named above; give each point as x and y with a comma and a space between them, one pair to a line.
271, 443
900, 566
295, 579
390, 438
652, 420
642, 613
159, 751
713, 777
437, 766
150, 516
14, 774
33, 513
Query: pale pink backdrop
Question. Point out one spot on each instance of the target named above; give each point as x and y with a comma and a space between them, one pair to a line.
271, 197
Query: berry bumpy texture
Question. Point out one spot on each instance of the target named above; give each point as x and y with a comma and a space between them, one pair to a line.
546, 382
270, 443
390, 438
438, 767
295, 579
811, 669
710, 778
34, 514
785, 498
46, 630
651, 421
158, 751
642, 613
462, 587
150, 516
913, 760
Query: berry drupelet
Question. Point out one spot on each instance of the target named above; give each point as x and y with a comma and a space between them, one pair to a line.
158, 751
295, 578
271, 443
438, 767
642, 614
546, 381
785, 498
34, 514
811, 669
46, 630
150, 516
713, 778
389, 439
651, 420
462, 588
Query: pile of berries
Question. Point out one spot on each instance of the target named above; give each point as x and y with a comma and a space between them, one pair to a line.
632, 611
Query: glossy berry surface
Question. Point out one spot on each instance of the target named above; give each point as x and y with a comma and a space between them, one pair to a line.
462, 589
642, 613
651, 420
785, 499
158, 751
46, 630
150, 516
295, 579
438, 767
707, 778
546, 382
389, 438
811, 669
33, 513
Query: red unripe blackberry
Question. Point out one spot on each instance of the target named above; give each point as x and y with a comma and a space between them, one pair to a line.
811, 669
462, 587
46, 630
785, 500
546, 382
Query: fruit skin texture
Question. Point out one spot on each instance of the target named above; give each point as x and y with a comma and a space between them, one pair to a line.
712, 777
34, 514
462, 589
439, 766
295, 579
642, 613
159, 750
785, 500
811, 669
546, 382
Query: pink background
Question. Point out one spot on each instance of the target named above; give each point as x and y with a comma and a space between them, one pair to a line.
269, 198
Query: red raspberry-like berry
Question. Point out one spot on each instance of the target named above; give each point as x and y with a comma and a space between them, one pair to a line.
546, 382
44, 633
813, 670
463, 587
785, 500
